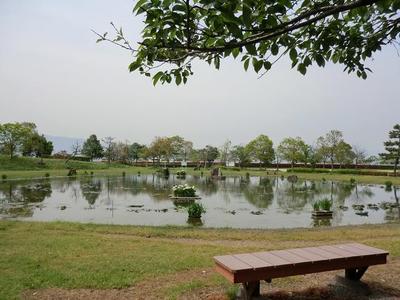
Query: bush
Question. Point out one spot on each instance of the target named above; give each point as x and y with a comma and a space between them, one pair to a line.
324, 204
4, 177
352, 181
181, 173
184, 190
388, 184
123, 174
195, 210
47, 175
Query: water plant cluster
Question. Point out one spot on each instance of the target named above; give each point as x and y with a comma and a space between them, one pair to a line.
181, 173
184, 190
324, 204
196, 210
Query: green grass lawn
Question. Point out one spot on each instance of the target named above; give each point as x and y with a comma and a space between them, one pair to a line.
71, 256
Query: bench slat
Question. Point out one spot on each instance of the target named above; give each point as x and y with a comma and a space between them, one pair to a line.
272, 259
232, 263
286, 255
372, 250
310, 256
253, 261
323, 253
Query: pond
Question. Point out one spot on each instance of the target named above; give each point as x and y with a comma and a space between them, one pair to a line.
237, 202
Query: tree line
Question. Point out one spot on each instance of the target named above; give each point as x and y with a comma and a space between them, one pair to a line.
329, 149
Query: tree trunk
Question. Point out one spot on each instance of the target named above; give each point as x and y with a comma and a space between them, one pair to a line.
396, 162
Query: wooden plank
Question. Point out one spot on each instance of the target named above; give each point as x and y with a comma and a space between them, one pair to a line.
272, 259
369, 248
343, 253
355, 250
253, 260
231, 263
293, 258
224, 272
326, 254
310, 256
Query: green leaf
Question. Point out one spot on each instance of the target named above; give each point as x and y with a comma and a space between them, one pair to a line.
246, 64
251, 49
157, 77
134, 65
293, 54
320, 60
235, 52
138, 5
267, 65
274, 49
257, 64
302, 69
178, 79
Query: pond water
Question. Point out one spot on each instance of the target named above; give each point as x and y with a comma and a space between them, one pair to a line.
238, 202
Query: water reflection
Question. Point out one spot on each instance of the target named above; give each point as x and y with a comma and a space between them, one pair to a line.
244, 202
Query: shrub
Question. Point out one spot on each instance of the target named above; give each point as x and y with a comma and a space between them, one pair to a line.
47, 175
123, 174
325, 204
352, 181
388, 184
195, 210
91, 173
184, 190
181, 173
72, 172
4, 177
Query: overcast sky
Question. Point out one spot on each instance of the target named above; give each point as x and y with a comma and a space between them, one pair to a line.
53, 73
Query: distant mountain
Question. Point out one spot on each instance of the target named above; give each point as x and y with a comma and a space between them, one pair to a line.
63, 143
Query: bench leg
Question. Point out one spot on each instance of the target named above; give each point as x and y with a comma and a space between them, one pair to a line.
250, 290
355, 274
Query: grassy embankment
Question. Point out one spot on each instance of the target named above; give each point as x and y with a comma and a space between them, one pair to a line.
163, 262
23, 167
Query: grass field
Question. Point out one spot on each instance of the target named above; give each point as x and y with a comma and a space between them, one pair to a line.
67, 259
23, 167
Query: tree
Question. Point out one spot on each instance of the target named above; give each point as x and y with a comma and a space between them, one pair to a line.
224, 151
37, 145
175, 33
136, 151
92, 147
109, 147
344, 153
261, 148
211, 153
392, 147
359, 155
292, 150
328, 145
241, 155
13, 135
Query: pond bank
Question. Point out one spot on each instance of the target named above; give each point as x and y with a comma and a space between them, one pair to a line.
116, 171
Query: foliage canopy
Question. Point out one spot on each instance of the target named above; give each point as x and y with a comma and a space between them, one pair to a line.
176, 32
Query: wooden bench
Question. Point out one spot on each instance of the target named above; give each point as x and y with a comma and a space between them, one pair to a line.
250, 268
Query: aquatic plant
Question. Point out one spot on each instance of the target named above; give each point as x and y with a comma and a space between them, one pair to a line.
181, 173
388, 185
196, 210
324, 204
184, 190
